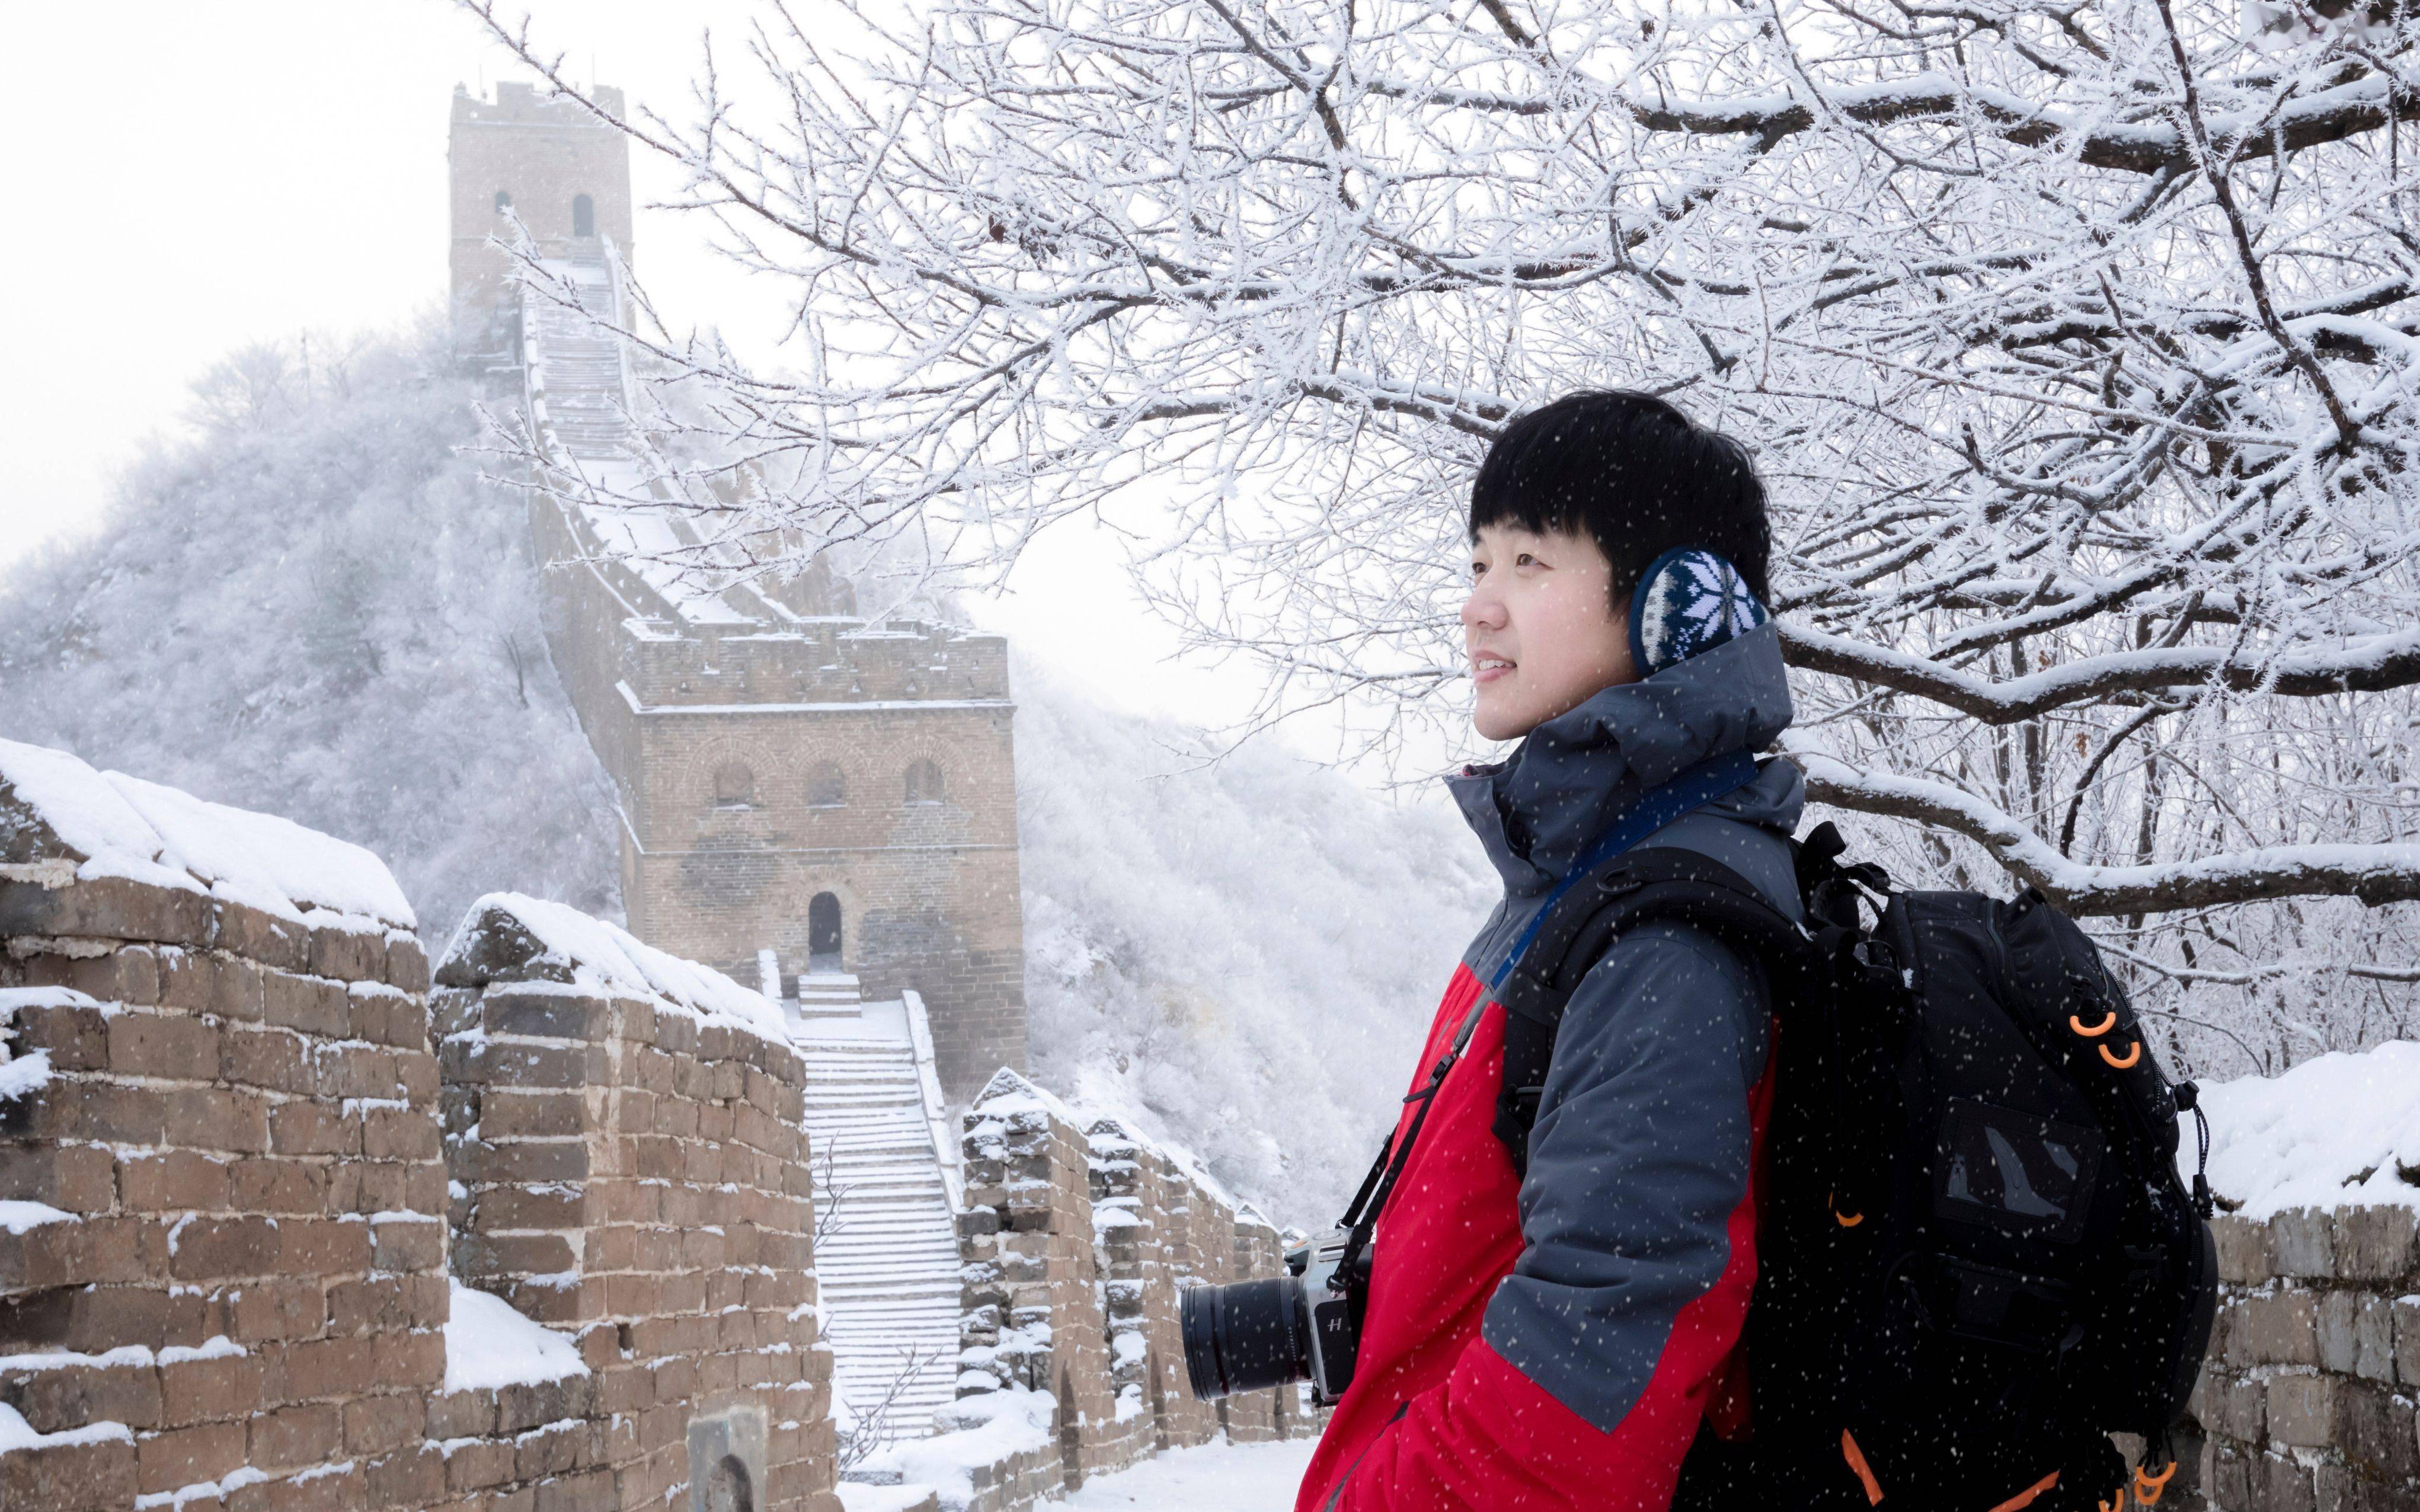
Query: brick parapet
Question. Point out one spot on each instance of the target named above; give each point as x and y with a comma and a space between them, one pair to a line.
634, 1174
229, 1268
1031, 1292
2307, 1397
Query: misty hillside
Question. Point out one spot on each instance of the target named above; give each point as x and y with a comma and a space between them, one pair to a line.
315, 607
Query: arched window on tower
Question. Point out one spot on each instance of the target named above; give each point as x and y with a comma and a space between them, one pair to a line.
924, 782
735, 785
823, 933
503, 200
827, 785
583, 215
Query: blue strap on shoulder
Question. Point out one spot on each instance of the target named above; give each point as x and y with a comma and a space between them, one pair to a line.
1691, 790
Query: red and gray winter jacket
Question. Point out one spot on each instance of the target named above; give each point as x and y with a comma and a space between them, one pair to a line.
1556, 1342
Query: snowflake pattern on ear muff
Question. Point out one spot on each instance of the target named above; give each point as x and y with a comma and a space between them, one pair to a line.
1689, 601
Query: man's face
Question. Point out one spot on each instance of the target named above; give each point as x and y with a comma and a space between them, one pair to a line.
1541, 629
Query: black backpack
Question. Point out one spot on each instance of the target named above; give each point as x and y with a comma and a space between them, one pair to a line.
1976, 1257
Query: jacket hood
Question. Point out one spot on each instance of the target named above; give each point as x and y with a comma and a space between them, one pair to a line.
1576, 775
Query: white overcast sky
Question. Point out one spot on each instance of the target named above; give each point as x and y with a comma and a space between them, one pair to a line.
183, 178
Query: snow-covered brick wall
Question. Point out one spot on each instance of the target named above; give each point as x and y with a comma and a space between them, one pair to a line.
629, 1167
222, 1199
1032, 1290
2308, 1398
1077, 1235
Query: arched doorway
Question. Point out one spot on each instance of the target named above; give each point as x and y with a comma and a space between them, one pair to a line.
823, 933
583, 215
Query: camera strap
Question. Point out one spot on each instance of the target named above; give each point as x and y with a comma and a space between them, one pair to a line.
1687, 792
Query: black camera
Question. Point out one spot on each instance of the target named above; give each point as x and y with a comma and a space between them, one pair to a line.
1305, 1326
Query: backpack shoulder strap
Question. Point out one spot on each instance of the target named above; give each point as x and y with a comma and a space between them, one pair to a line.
1660, 882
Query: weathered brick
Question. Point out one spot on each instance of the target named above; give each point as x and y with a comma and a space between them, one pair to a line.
173, 1180
283, 944
313, 1005
349, 953
180, 1456
84, 1252
2376, 1431
408, 1245
404, 1133
277, 1060
475, 1467
318, 1369
510, 1111
2276, 1328
210, 1387
236, 989
280, 1307
2305, 1242
2407, 1340
314, 1128
75, 1034
376, 1425
2380, 1243
115, 908
271, 1185
164, 1044
217, 1118
68, 1477
129, 975
509, 1010
407, 963
57, 1399
324, 1247
294, 1437
2357, 1335
77, 1179
411, 1478
213, 1249
462, 1414
2302, 1409
2232, 1406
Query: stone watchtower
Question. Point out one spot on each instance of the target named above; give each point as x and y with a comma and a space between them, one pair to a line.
562, 172
803, 791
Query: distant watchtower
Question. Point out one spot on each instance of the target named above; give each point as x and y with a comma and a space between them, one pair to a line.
810, 798
546, 159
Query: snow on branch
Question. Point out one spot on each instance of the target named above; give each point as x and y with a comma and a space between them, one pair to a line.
2078, 345
2375, 874
2370, 665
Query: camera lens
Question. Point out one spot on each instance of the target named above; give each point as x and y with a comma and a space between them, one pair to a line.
1245, 1335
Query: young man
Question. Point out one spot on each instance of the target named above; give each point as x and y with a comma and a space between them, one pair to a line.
1560, 1341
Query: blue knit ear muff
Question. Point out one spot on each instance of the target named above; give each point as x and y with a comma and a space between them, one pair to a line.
1688, 601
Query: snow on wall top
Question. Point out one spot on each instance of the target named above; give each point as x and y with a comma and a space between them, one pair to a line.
489, 1344
1008, 1094
2340, 1131
54, 807
512, 936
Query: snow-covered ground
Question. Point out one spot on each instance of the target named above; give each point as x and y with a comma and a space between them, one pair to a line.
1216, 1477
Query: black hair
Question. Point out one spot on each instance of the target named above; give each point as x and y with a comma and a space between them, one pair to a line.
1632, 472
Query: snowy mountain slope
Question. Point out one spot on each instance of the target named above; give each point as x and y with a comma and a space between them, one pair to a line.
313, 608
1242, 956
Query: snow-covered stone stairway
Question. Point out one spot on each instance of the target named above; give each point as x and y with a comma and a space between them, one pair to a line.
886, 1245
585, 401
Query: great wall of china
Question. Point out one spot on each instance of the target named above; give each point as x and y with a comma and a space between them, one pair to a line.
288, 1220
291, 1219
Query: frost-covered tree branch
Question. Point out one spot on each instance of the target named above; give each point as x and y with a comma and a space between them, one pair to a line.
2077, 341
